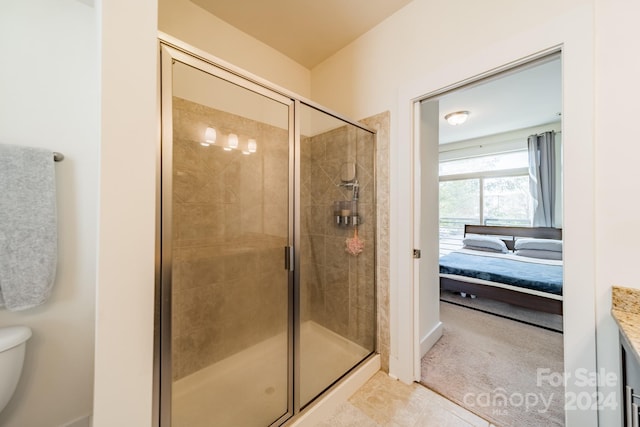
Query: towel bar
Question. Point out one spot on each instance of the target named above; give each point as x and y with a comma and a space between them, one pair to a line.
58, 157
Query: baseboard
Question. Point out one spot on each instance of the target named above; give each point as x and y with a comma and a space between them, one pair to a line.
430, 339
325, 408
80, 422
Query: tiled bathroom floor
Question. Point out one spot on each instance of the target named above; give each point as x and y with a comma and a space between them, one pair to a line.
383, 401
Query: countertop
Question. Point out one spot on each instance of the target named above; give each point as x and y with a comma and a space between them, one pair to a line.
625, 309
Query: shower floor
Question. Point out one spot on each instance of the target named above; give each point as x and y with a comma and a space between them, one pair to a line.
250, 387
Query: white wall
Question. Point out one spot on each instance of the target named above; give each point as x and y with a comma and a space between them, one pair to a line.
127, 213
194, 85
363, 78
128, 154
381, 61
617, 154
49, 98
431, 40
193, 25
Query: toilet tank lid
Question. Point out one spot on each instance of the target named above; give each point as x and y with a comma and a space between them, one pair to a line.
12, 336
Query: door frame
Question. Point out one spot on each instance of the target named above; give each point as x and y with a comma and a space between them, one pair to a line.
573, 35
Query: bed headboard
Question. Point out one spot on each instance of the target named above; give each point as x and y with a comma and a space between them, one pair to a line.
509, 234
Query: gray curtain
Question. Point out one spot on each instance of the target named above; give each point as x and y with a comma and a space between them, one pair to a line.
542, 178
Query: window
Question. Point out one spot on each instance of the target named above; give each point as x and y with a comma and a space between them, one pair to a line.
494, 162
506, 201
489, 190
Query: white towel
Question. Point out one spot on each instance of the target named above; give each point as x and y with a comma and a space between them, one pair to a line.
28, 229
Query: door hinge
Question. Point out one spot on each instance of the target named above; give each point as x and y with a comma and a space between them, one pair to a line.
416, 253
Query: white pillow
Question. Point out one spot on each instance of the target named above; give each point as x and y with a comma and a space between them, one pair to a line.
485, 243
535, 253
539, 244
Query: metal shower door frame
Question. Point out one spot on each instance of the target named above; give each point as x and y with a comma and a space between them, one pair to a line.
169, 54
171, 50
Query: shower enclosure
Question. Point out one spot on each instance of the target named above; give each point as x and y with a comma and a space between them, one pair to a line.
266, 247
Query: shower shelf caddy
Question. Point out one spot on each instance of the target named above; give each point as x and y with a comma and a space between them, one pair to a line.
345, 213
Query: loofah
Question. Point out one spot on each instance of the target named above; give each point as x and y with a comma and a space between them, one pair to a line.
354, 245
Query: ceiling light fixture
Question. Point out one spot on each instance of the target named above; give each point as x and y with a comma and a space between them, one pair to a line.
232, 142
457, 118
252, 145
209, 137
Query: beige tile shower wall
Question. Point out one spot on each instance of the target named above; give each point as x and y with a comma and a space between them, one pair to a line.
338, 287
229, 228
380, 122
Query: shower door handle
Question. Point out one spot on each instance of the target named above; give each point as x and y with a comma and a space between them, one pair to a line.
288, 258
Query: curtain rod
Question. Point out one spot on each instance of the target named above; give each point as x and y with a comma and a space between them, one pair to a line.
538, 134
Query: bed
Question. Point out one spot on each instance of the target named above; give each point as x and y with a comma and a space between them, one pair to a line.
533, 282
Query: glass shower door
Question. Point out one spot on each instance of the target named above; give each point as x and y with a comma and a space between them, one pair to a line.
227, 188
337, 327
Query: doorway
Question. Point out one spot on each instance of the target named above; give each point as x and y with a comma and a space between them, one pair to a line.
407, 327
484, 179
573, 35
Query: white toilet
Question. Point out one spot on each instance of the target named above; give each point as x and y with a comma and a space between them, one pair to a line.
13, 340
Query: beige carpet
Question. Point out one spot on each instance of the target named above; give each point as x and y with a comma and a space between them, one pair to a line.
489, 365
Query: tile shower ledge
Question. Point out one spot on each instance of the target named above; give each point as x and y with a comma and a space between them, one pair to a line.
227, 246
625, 309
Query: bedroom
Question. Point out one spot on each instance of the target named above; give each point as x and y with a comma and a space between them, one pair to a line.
484, 180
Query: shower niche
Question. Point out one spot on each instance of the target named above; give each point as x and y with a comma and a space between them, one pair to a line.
261, 308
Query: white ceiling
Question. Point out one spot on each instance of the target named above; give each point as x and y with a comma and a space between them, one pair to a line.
518, 100
307, 31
